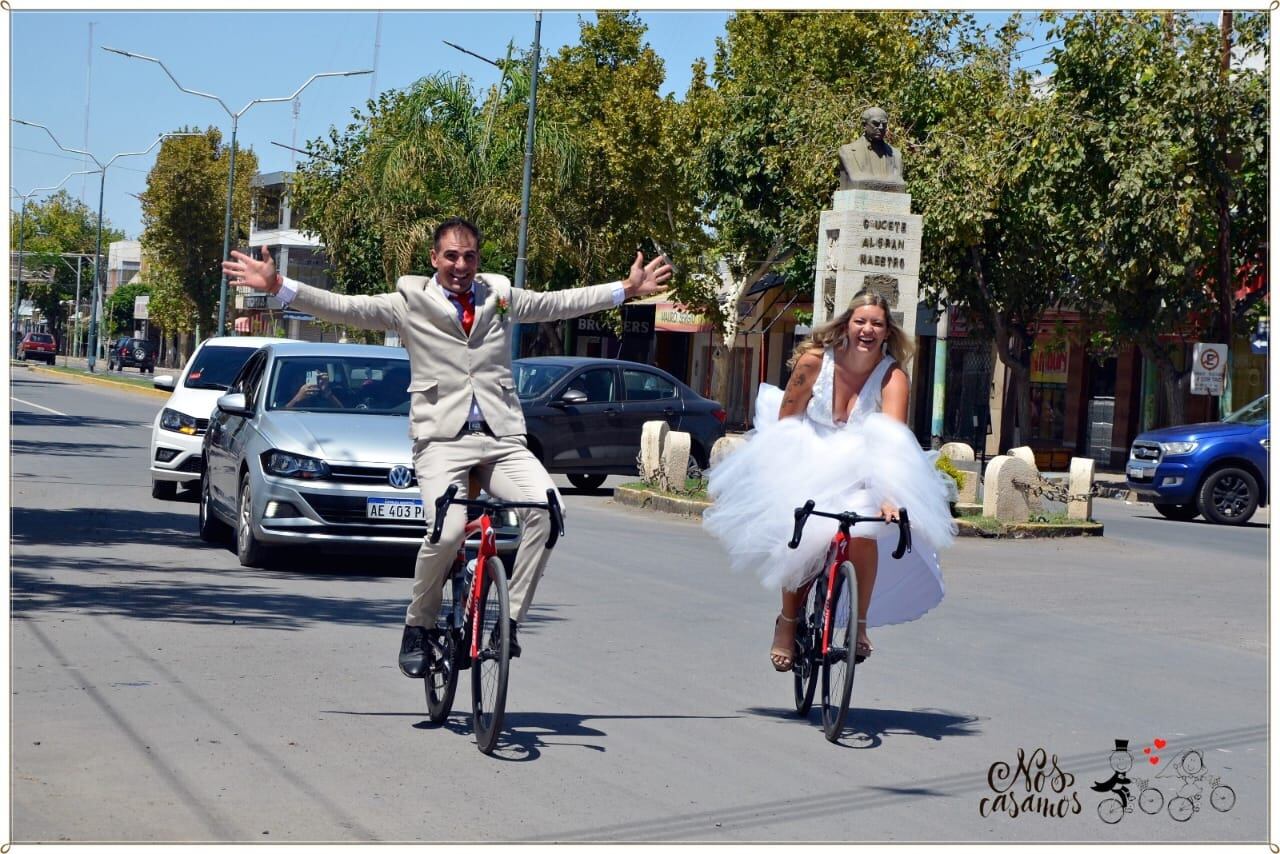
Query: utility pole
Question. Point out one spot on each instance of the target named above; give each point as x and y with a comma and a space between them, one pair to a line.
523, 239
1226, 289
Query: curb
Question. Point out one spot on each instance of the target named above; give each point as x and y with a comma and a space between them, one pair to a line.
662, 503
1017, 531
1029, 530
155, 392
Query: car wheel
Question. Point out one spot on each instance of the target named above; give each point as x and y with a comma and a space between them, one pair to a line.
1228, 496
212, 529
248, 549
165, 490
1178, 512
586, 481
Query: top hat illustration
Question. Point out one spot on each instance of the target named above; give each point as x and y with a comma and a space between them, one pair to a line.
1122, 744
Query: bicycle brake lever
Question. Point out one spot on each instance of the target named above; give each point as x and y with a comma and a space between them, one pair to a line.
904, 534
557, 519
442, 505
802, 516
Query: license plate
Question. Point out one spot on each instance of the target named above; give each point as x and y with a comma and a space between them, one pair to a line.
1136, 472
409, 509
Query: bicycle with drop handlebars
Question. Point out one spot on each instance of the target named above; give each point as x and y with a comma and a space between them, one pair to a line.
474, 633
826, 636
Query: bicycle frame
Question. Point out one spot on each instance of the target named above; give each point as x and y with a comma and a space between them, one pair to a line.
840, 548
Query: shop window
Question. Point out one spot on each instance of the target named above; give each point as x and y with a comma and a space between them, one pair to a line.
1048, 411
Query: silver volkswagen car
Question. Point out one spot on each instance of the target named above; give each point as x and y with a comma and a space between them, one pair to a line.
310, 446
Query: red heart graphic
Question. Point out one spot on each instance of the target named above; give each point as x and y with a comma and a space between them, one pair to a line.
1160, 743
1146, 750
1155, 760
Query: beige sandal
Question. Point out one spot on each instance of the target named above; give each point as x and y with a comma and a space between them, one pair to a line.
862, 649
784, 651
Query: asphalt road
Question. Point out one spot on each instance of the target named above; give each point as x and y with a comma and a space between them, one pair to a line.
160, 692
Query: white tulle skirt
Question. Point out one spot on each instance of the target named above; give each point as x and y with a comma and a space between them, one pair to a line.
786, 462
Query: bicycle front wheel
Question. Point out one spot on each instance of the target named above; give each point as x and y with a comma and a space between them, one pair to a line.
838, 662
808, 639
489, 670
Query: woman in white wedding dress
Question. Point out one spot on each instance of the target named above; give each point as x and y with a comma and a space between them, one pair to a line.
837, 434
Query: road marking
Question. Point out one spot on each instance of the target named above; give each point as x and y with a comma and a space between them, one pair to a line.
38, 406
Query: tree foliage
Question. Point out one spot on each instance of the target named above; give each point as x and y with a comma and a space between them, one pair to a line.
56, 226
118, 312
183, 211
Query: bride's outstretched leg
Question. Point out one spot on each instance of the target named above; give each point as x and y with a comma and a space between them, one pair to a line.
865, 557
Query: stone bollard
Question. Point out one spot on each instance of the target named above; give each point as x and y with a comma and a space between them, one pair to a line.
723, 447
1080, 488
972, 478
957, 452
1027, 455
1005, 489
652, 437
675, 461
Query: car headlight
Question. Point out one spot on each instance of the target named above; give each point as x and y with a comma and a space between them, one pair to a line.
1173, 449
178, 422
282, 464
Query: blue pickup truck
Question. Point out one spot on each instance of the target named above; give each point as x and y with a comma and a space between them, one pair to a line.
1217, 469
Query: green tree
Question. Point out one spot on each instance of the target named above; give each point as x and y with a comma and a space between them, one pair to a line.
985, 176
57, 226
118, 312
183, 210
1160, 131
761, 136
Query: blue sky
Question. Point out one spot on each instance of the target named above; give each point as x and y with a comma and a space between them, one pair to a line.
243, 55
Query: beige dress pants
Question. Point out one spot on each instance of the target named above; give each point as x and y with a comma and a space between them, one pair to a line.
506, 469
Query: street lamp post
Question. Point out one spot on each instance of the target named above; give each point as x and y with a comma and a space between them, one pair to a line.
97, 255
231, 169
22, 233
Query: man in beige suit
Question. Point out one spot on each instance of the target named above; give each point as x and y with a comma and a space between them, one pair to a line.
464, 414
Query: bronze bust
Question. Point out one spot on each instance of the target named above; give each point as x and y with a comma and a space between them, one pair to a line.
870, 163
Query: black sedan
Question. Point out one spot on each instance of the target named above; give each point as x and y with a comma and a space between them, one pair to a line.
585, 415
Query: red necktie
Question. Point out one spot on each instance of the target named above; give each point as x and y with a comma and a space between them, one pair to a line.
468, 311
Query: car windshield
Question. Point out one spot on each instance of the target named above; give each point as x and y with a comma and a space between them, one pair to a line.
533, 380
1256, 412
216, 367
362, 385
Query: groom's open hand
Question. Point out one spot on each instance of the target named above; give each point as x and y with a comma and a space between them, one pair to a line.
647, 279
246, 271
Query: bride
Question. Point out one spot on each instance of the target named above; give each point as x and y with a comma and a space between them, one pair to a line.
839, 436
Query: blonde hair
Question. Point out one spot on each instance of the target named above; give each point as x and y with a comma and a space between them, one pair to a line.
835, 332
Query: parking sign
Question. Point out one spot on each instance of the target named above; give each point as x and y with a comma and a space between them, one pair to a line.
1208, 368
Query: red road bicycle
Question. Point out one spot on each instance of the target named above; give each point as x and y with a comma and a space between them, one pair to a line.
474, 632
826, 634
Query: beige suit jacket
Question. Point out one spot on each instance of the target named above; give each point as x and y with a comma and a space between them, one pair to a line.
448, 366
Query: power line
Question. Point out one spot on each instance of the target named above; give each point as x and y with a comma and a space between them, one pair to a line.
69, 157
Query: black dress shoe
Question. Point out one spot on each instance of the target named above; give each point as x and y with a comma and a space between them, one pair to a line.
414, 652
513, 645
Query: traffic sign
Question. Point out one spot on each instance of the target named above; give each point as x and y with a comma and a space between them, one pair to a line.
1208, 368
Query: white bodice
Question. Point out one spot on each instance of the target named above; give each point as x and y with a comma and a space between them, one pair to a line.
821, 404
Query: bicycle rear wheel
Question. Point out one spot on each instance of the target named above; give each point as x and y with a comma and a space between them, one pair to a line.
489, 671
442, 670
838, 664
808, 639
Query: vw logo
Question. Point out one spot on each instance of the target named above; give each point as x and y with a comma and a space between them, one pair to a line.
400, 477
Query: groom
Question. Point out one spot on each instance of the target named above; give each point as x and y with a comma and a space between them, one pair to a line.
464, 415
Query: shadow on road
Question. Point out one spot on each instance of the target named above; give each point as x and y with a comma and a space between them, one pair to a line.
98, 526
233, 603
866, 728
19, 418
68, 449
1200, 521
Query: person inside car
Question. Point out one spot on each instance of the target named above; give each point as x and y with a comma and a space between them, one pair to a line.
307, 395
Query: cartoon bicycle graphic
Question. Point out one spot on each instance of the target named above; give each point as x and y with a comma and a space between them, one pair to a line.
1188, 768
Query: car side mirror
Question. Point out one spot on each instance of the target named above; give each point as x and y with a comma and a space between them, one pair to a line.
571, 397
234, 404
165, 382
